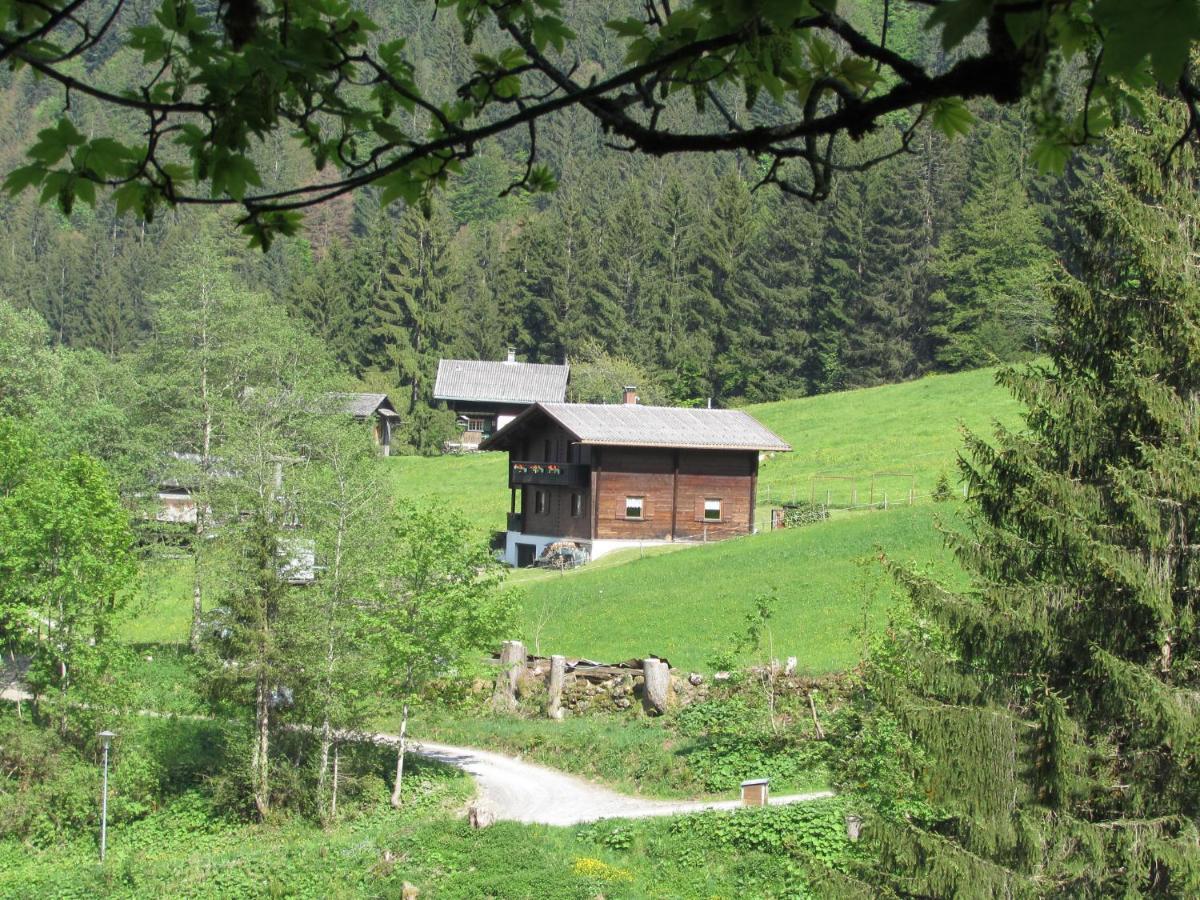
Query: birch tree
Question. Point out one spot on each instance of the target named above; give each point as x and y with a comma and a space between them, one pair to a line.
440, 605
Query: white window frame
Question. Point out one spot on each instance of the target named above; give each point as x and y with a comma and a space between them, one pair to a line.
720, 509
640, 503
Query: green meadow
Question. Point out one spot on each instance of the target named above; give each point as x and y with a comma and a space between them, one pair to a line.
690, 603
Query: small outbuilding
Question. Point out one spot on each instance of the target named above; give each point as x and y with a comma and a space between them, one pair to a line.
367, 407
487, 395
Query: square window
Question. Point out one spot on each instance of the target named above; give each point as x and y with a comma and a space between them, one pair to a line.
576, 505
635, 507
712, 510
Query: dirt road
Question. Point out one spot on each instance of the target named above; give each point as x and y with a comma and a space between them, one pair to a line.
523, 792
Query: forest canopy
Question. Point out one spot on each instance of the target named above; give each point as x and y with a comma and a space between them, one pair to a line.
784, 81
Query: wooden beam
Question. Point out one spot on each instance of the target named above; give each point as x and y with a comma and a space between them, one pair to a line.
595, 493
753, 492
674, 491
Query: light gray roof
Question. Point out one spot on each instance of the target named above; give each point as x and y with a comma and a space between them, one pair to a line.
363, 405
634, 425
500, 382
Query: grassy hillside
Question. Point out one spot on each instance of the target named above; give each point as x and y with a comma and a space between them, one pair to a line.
910, 428
689, 604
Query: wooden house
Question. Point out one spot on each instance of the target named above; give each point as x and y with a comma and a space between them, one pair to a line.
368, 407
613, 476
488, 395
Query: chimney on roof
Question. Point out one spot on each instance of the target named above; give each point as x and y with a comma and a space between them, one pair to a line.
512, 355
630, 397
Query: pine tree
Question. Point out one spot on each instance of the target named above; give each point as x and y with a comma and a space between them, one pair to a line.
412, 313
1041, 729
995, 267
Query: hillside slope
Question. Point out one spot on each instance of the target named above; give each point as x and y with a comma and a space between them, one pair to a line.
691, 604
910, 428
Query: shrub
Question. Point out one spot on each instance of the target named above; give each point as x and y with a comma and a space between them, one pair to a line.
800, 513
942, 490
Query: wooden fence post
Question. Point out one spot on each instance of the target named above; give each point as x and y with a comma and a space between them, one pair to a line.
512, 661
558, 673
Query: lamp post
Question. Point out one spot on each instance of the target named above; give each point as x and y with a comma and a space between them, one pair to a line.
106, 737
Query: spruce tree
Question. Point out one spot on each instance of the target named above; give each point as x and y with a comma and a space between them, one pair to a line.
1038, 732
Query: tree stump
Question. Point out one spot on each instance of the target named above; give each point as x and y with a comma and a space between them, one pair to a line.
657, 690
481, 814
512, 662
558, 674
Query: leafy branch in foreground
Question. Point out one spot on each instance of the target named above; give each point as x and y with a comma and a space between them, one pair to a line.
216, 82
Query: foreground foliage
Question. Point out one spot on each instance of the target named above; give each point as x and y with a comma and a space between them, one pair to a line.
170, 835
1042, 728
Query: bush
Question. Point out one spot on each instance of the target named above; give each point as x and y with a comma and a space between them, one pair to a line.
942, 490
800, 513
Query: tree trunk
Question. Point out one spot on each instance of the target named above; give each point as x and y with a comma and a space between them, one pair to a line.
197, 583
400, 758
334, 788
259, 771
201, 495
512, 660
323, 770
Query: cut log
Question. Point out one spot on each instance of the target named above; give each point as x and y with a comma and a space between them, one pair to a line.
558, 674
512, 662
657, 685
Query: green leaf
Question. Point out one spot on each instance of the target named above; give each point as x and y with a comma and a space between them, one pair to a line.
23, 177
951, 117
1163, 30
1050, 155
401, 185
53, 143
628, 27
958, 18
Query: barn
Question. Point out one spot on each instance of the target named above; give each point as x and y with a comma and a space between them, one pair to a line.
621, 475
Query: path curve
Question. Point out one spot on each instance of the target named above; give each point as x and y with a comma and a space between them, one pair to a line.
519, 791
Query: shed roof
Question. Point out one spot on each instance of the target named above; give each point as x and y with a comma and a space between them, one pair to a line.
363, 405
633, 425
500, 382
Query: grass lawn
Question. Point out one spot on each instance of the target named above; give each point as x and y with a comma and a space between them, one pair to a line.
475, 485
161, 611
689, 604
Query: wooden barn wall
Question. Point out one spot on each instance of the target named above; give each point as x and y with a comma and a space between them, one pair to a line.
648, 473
635, 472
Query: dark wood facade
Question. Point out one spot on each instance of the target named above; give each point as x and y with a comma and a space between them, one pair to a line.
563, 488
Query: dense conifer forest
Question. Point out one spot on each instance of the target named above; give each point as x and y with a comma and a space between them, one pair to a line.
675, 271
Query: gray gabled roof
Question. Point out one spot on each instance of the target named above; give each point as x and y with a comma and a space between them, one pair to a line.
363, 405
500, 382
633, 425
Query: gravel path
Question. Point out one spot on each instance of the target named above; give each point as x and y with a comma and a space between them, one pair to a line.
523, 792
519, 791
